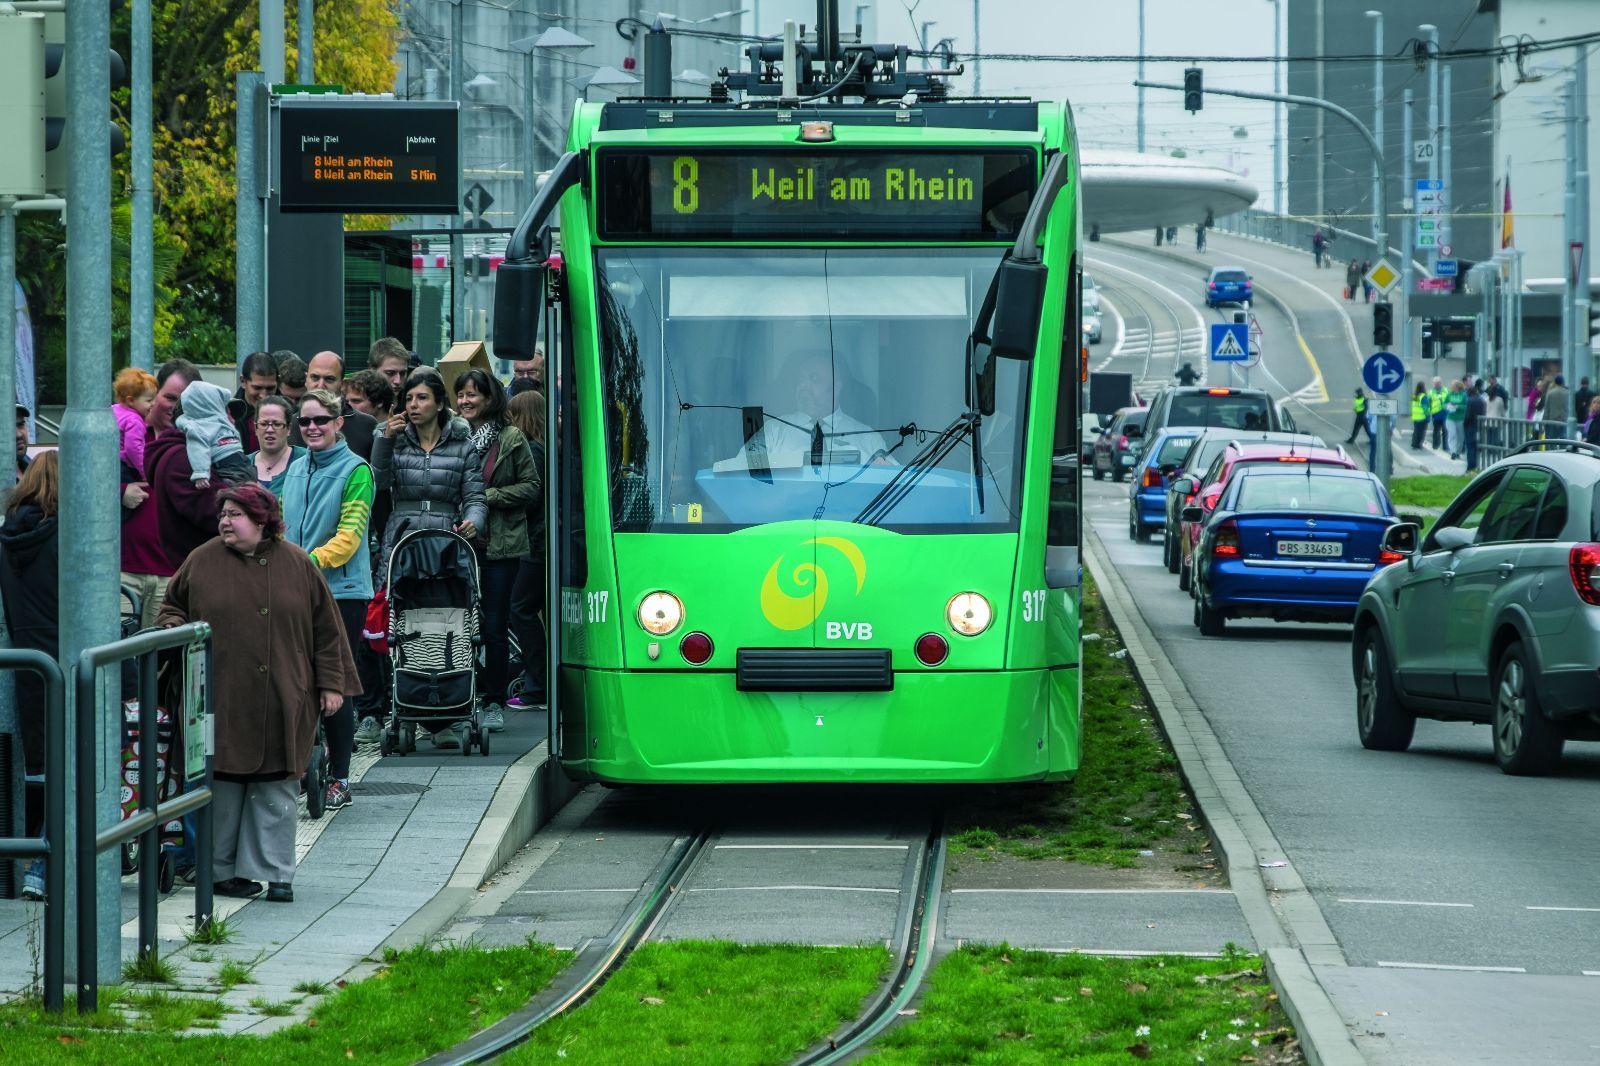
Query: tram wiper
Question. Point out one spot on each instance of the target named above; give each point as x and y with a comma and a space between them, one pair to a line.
908, 477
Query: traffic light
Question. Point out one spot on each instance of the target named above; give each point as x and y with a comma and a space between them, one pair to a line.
55, 87
22, 104
1594, 323
1194, 98
1383, 324
1429, 333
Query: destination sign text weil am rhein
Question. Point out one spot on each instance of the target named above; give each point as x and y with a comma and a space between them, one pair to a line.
353, 155
806, 194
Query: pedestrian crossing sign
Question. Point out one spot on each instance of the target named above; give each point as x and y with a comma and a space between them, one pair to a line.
1230, 342
1383, 276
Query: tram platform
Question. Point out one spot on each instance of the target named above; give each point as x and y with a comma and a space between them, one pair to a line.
389, 871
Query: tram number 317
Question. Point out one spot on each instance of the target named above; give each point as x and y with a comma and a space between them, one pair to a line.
1033, 605
580, 607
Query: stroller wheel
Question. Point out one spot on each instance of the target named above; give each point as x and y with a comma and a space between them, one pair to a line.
386, 744
483, 742
316, 782
469, 740
408, 738
166, 872
130, 858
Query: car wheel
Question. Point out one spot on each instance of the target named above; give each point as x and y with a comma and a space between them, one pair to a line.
1526, 743
1169, 550
1140, 532
1383, 724
1183, 576
1209, 619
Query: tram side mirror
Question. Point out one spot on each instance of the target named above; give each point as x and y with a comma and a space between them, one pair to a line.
1019, 301
519, 290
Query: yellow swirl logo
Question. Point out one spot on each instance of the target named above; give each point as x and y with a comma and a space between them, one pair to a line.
788, 610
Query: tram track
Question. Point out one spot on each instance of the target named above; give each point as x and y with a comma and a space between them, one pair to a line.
1187, 341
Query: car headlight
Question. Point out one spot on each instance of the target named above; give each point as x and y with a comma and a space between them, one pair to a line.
660, 613
969, 613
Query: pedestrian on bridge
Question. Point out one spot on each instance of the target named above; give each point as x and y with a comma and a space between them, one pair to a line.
1352, 280
281, 660
1200, 237
1319, 246
1187, 374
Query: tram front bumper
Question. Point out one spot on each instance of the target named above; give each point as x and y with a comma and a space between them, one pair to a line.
660, 727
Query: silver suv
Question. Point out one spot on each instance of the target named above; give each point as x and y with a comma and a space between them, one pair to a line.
1495, 616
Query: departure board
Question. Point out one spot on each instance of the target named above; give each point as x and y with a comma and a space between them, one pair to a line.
830, 194
353, 155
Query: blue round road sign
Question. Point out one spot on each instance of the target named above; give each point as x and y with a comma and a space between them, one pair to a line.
1383, 372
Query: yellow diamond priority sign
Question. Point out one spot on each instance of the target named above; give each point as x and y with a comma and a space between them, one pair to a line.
1383, 276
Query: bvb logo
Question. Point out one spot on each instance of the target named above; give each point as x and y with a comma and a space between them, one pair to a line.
796, 612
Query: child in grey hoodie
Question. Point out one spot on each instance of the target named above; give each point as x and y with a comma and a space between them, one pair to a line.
212, 440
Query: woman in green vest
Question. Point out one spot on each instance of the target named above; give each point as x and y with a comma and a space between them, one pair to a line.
1420, 408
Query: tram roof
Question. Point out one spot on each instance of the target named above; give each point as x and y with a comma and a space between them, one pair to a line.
976, 114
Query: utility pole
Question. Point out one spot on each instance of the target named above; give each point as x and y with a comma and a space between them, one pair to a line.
272, 48
1407, 226
1140, 114
1277, 107
141, 281
250, 218
1569, 213
1377, 116
89, 522
459, 328
977, 49
658, 62
1433, 115
1583, 353
1447, 194
304, 68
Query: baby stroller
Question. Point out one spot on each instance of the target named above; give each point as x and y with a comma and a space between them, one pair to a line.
169, 760
433, 640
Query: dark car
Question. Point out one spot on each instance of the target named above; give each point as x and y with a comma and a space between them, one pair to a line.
1117, 448
1228, 285
1215, 407
1290, 542
1207, 446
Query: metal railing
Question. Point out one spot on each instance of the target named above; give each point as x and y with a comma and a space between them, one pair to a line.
1499, 437
146, 824
52, 847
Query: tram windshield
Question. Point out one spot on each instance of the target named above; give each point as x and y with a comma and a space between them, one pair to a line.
745, 386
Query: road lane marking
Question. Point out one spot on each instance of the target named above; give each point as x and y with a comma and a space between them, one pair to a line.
1099, 891
567, 891
1573, 910
810, 847
1442, 966
1318, 387
1590, 973
796, 888
1122, 327
1405, 902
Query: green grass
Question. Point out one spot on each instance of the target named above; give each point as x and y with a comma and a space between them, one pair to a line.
712, 1003
216, 931
1127, 796
1426, 490
421, 1003
233, 974
266, 1006
173, 1014
312, 988
150, 967
1002, 1005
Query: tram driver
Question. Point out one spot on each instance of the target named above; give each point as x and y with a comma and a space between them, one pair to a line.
816, 427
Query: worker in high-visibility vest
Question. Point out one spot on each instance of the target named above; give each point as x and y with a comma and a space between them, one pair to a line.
1360, 424
1436, 398
1421, 411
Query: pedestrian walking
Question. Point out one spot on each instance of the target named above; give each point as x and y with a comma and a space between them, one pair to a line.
1200, 237
1536, 399
327, 503
30, 557
271, 460
1366, 286
1360, 423
1419, 416
510, 485
1436, 411
1319, 245
1187, 374
1455, 413
1581, 398
1557, 401
424, 459
1471, 425
526, 412
1352, 278
1591, 427
271, 681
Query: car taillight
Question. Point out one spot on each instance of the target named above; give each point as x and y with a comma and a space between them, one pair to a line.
1386, 556
1218, 392
1293, 459
1211, 285
1122, 442
1584, 562
1153, 478
1225, 544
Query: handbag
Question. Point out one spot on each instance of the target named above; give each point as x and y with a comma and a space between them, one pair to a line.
376, 629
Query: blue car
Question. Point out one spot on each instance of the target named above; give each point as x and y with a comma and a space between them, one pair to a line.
1161, 457
1290, 544
1228, 285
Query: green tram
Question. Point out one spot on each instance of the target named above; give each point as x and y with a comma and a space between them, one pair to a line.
812, 486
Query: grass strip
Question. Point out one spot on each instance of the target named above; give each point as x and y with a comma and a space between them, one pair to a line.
420, 1002
1127, 795
1426, 490
699, 1002
1001, 1005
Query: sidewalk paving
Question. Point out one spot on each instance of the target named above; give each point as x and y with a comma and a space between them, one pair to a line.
391, 869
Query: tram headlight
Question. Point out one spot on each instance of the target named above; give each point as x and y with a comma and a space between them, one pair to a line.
969, 613
660, 613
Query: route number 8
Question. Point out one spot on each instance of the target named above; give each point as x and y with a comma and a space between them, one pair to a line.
685, 185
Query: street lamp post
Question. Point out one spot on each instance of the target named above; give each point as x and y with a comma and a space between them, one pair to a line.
1433, 116
1377, 113
1277, 106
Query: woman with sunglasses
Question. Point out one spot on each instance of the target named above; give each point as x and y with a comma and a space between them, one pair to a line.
327, 503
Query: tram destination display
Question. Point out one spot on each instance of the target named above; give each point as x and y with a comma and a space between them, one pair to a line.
351, 155
709, 194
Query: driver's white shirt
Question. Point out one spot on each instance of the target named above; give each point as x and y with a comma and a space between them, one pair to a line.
785, 439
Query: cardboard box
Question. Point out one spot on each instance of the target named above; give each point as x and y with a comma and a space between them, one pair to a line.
462, 356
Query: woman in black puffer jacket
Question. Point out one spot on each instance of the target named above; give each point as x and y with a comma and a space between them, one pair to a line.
30, 562
425, 460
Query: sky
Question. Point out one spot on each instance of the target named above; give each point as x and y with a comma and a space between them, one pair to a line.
1104, 100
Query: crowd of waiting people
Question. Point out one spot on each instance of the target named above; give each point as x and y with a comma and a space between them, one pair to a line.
267, 513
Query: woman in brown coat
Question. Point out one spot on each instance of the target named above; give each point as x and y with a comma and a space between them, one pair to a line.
280, 658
